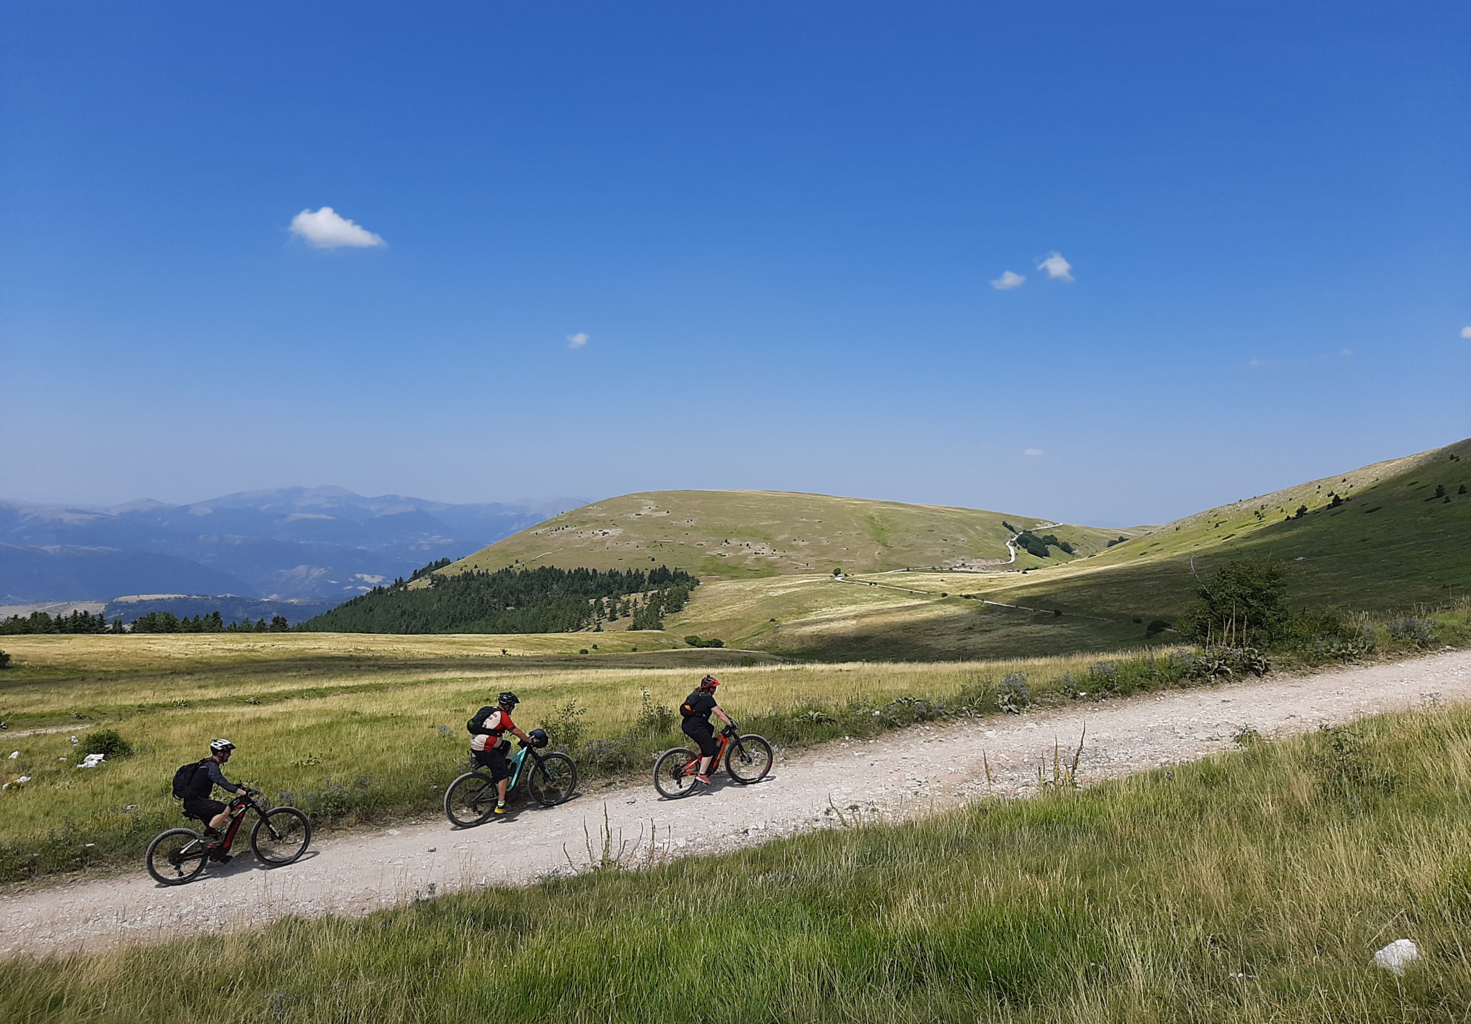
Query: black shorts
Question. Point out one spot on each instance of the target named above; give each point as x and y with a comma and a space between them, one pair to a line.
703, 733
202, 808
494, 759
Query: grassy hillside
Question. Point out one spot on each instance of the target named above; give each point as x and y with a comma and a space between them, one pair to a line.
911, 616
752, 534
1390, 544
1251, 887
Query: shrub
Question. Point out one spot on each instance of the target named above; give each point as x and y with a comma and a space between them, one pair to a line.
566, 728
1155, 628
4, 660
1242, 605
1012, 696
653, 719
695, 641
108, 743
1412, 632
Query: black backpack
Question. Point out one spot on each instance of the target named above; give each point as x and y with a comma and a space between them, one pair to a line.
184, 779
476, 725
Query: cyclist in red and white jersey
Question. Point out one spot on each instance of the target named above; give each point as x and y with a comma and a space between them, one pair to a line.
489, 745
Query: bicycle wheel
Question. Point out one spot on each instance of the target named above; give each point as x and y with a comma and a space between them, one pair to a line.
552, 781
748, 759
176, 856
470, 799
669, 774
280, 835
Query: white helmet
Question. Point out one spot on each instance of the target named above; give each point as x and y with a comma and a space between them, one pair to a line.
220, 746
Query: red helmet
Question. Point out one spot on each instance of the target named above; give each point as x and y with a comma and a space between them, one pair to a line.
709, 683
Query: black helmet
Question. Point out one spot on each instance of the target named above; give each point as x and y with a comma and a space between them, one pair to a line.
507, 699
538, 737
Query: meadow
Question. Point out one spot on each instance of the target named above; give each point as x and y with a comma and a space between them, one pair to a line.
355, 728
1250, 887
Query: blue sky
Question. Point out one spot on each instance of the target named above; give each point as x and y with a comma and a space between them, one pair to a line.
777, 225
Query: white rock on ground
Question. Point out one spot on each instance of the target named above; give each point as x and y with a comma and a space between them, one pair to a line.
1396, 956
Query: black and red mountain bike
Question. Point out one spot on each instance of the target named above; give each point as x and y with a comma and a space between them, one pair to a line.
280, 837
747, 759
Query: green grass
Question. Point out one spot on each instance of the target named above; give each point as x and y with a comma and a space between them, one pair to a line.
752, 534
376, 738
1250, 887
1390, 546
347, 736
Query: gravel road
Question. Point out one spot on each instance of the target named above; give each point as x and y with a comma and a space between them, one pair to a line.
903, 773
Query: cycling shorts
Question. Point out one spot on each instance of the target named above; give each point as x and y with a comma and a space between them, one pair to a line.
202, 808
494, 759
703, 733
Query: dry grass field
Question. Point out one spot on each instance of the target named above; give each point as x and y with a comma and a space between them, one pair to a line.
352, 727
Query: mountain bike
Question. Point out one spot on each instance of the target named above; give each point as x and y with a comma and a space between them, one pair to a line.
747, 760
549, 778
280, 837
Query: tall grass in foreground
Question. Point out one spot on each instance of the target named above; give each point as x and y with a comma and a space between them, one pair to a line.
1253, 886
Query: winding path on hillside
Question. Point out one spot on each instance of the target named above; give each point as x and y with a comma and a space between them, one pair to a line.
913, 771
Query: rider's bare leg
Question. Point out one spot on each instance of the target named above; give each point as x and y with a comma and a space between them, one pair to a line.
219, 821
705, 765
501, 787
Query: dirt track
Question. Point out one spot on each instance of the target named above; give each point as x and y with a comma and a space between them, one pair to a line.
902, 773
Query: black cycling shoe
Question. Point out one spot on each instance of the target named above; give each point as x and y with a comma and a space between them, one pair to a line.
220, 858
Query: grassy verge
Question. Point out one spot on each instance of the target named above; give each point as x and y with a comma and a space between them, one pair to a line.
349, 744
1253, 886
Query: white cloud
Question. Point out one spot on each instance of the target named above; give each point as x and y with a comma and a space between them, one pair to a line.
1008, 281
1348, 353
326, 229
1057, 268
1466, 332
578, 340
1034, 451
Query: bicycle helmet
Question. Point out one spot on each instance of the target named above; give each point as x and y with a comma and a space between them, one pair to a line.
507, 699
539, 738
220, 746
709, 683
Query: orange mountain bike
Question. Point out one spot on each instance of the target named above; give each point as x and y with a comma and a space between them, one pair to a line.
747, 759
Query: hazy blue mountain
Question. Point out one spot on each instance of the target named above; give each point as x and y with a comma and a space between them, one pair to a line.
322, 544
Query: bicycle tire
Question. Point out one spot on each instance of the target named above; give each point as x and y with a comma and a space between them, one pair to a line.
163, 858
280, 836
552, 780
470, 799
669, 775
749, 759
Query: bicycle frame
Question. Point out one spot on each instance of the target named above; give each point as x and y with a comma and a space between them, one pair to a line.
238, 807
727, 736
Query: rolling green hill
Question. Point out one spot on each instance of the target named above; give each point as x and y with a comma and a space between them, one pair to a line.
1389, 544
752, 534
1392, 541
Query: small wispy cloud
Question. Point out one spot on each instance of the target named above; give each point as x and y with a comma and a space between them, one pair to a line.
578, 340
1058, 269
1264, 362
327, 229
1466, 332
1033, 451
1008, 281
1348, 353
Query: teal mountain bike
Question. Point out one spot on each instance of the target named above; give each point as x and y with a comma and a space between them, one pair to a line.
549, 778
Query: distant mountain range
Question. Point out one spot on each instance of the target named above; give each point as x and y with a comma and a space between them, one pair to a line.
317, 545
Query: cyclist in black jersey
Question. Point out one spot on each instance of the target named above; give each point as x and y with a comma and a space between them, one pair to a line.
696, 711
